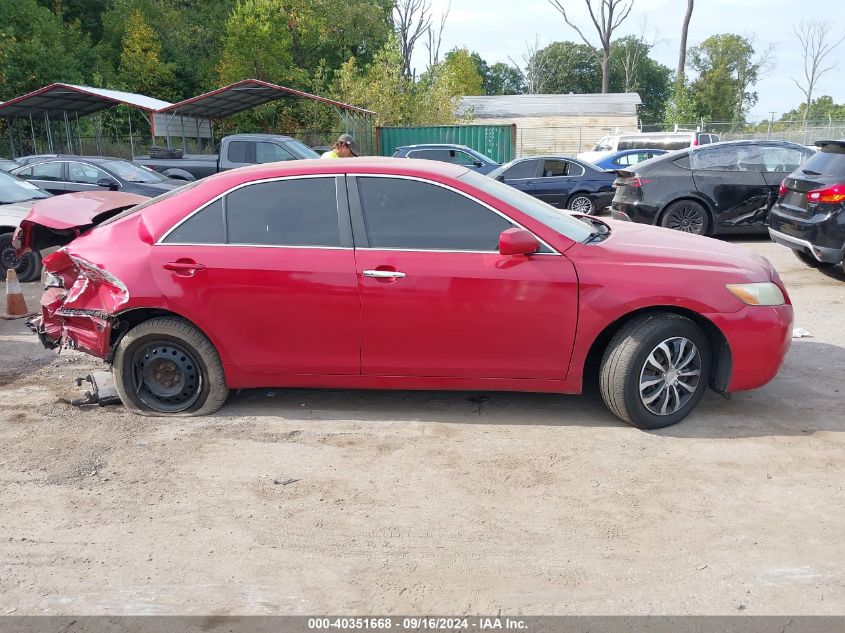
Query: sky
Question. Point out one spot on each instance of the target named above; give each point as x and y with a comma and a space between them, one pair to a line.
501, 29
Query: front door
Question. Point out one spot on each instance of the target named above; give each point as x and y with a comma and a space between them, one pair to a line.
437, 298
269, 269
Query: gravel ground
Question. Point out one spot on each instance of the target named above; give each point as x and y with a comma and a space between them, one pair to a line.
354, 502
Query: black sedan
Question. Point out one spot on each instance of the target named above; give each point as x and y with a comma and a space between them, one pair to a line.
720, 188
563, 182
65, 174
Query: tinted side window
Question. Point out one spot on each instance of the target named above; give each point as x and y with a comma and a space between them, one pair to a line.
522, 169
626, 143
783, 159
715, 159
271, 153
410, 214
552, 168
239, 152
430, 154
47, 171
297, 212
86, 174
204, 227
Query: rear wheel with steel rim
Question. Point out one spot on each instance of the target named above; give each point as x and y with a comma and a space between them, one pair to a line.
27, 268
581, 203
687, 216
655, 370
166, 366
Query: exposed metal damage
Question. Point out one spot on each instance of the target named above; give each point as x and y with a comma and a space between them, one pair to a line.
78, 307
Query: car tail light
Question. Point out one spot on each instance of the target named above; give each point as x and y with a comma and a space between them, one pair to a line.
783, 189
635, 181
832, 194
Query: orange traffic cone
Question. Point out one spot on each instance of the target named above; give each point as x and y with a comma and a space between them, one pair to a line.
15, 303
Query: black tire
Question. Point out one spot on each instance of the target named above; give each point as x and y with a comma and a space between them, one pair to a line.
170, 347
810, 261
625, 367
28, 267
583, 201
687, 216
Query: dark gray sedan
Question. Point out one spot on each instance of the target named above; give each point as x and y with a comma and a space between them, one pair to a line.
66, 174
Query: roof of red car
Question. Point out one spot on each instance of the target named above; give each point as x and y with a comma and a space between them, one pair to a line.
364, 164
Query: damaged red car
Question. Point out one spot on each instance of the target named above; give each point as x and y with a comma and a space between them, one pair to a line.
398, 274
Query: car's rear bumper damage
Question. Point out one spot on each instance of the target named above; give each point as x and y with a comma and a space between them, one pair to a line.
77, 309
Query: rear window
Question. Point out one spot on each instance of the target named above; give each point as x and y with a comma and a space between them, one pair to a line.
829, 161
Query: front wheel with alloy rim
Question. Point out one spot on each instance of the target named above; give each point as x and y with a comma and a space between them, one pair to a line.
655, 370
687, 216
581, 203
166, 367
27, 268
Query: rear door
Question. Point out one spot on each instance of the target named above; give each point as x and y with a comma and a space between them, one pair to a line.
50, 176
437, 298
557, 180
732, 177
268, 270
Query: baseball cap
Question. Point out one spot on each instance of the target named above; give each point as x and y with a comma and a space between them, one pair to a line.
349, 140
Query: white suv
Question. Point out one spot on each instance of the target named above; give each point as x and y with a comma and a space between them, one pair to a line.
647, 140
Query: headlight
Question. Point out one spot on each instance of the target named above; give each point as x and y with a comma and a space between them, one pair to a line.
758, 294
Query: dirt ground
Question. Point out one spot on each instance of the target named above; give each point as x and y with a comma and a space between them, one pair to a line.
353, 502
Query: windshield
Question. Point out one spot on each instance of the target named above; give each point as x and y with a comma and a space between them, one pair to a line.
131, 172
560, 221
300, 149
14, 189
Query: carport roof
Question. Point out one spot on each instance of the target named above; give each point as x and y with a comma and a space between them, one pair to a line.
56, 99
244, 95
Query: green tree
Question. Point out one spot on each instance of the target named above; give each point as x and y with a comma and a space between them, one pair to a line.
503, 79
564, 67
680, 107
632, 70
463, 73
37, 48
821, 109
141, 68
382, 87
727, 70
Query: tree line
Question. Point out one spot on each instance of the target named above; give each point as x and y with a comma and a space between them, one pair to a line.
362, 52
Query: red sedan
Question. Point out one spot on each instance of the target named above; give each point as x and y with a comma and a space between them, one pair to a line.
398, 274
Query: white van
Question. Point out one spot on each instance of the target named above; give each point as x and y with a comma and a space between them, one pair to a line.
647, 140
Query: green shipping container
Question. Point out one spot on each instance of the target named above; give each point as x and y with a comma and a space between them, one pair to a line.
495, 141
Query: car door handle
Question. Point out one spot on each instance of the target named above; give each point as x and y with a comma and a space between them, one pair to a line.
184, 266
384, 274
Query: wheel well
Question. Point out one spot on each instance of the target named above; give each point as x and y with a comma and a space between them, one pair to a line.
135, 317
7, 229
658, 219
722, 359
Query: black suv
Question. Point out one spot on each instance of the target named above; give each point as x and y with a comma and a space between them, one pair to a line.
809, 215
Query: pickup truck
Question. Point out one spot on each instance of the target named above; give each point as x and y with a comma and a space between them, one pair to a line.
236, 150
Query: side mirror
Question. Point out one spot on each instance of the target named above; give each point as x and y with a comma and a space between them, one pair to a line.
478, 163
518, 242
110, 184
500, 178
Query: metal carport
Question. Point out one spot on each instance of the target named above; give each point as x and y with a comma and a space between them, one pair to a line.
64, 103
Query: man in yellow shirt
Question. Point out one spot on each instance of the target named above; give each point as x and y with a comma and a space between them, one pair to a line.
345, 147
